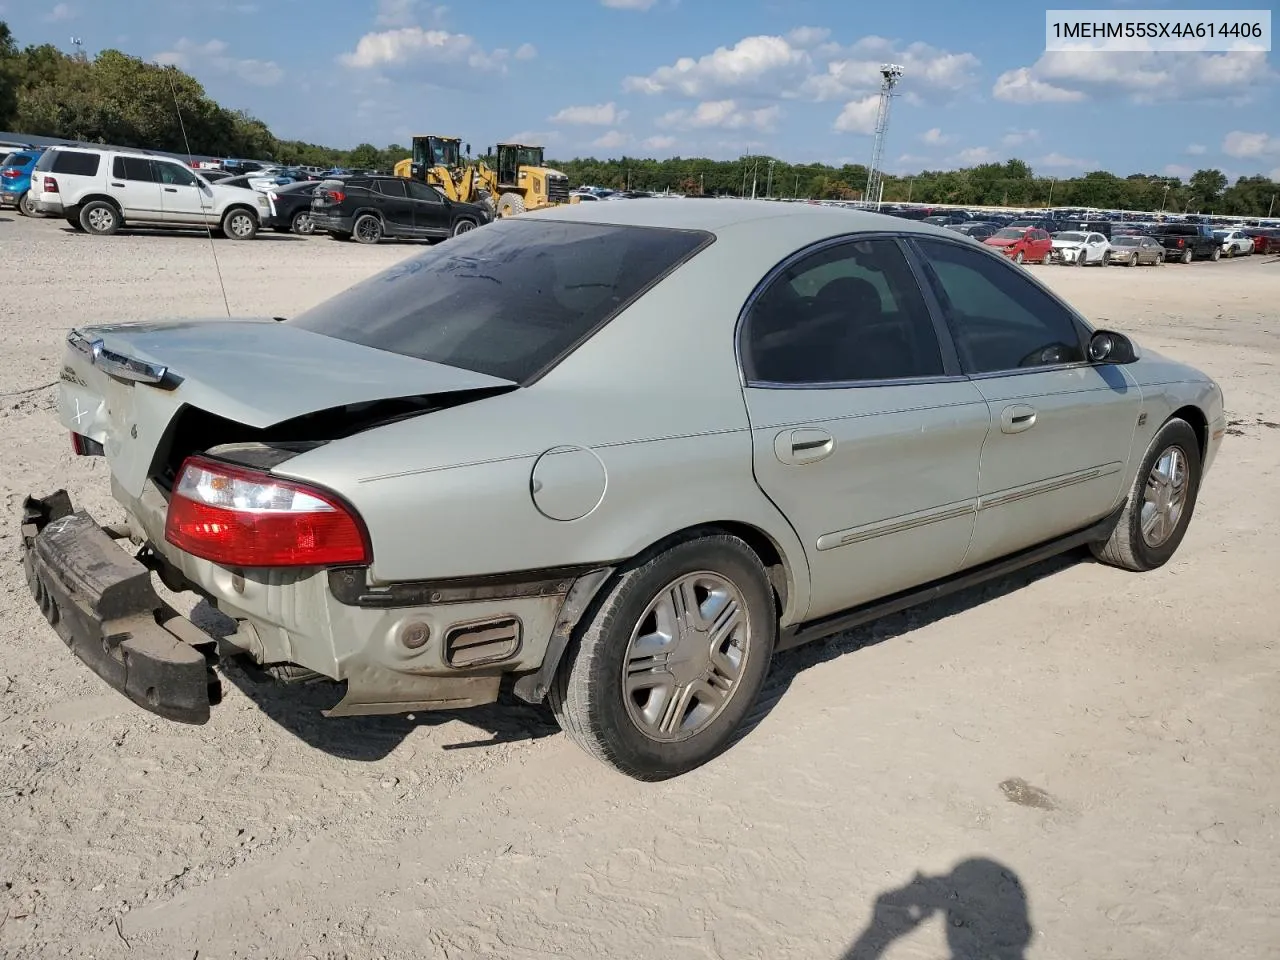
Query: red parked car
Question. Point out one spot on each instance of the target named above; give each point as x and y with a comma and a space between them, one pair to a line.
1022, 243
1265, 239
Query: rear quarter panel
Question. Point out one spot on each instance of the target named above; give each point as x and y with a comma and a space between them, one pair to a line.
655, 396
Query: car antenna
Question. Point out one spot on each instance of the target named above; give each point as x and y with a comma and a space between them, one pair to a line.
213, 247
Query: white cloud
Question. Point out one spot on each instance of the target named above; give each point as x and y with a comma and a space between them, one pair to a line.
1177, 170
760, 65
1197, 149
1274, 175
808, 36
526, 51
659, 143
413, 45
935, 137
600, 115
611, 140
628, 4
1020, 86
1016, 138
212, 55
1142, 76
976, 155
533, 138
911, 158
722, 115
1058, 161
60, 13
396, 13
858, 116
801, 66
1242, 145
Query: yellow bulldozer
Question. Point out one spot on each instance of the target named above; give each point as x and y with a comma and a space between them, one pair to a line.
521, 182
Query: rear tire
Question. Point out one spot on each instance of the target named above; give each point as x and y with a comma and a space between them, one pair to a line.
1186, 255
99, 218
27, 206
510, 205
302, 224
463, 226
1129, 547
367, 229
638, 688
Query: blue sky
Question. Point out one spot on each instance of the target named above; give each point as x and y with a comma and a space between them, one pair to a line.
794, 78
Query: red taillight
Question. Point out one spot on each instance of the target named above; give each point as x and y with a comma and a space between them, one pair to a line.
50, 185
337, 196
10, 174
238, 517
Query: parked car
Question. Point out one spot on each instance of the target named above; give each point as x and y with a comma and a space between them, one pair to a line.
1088, 225
1046, 224
1265, 239
370, 209
1133, 250
15, 180
974, 229
1234, 242
1022, 244
1080, 249
462, 473
101, 190
291, 207
1185, 242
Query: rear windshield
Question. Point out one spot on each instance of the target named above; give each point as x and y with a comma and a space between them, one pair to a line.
16, 160
508, 300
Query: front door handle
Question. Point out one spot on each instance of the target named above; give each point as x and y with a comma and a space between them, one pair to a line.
803, 446
1016, 418
170, 189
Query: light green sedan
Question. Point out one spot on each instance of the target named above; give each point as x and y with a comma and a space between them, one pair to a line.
611, 456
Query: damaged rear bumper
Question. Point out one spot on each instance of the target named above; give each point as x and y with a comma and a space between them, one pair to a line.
102, 603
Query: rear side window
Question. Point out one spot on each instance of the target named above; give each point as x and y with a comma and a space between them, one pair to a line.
137, 169
391, 188
509, 300
75, 163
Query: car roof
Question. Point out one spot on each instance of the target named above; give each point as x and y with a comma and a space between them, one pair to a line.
723, 215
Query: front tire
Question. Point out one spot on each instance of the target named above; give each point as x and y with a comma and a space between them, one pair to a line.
239, 224
1132, 261
1217, 252
510, 205
1019, 258
671, 658
1160, 504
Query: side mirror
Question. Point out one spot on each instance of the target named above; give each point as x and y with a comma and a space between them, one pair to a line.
1106, 346
468, 146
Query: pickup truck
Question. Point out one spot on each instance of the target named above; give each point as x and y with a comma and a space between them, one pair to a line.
1185, 242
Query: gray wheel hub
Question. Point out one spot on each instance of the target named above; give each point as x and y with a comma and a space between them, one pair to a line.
101, 218
240, 224
686, 656
1165, 497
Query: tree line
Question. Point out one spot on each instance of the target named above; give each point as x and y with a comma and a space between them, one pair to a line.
123, 100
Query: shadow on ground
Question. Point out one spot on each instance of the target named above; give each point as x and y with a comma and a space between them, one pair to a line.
981, 902
297, 706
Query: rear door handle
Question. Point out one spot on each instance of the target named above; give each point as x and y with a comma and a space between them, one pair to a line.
803, 446
114, 184
1017, 417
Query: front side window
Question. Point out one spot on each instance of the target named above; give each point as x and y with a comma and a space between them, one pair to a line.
422, 191
848, 313
510, 300
999, 319
173, 174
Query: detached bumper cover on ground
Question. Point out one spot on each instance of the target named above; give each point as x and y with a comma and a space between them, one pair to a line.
101, 602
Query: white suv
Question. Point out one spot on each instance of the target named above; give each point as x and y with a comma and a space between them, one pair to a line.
99, 191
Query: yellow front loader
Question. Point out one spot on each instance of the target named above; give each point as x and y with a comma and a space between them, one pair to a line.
521, 181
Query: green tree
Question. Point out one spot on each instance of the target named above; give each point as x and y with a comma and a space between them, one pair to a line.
9, 77
1206, 188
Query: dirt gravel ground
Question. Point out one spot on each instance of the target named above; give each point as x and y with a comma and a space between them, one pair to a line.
1075, 757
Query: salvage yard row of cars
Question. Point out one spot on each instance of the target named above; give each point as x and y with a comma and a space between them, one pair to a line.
99, 191
501, 494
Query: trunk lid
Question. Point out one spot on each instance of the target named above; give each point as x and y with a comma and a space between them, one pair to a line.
123, 384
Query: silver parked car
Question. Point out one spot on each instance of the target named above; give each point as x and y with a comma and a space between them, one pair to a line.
613, 456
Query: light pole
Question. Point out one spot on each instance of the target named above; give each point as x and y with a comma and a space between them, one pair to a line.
1163, 197
755, 167
768, 184
1052, 181
1271, 206
796, 192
